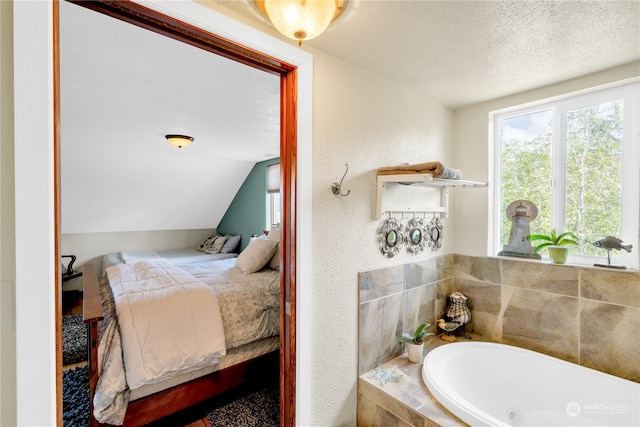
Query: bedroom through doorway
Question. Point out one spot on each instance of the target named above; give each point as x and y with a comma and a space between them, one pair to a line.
145, 19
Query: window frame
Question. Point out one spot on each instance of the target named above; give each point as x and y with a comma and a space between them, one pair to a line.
630, 216
274, 200
274, 207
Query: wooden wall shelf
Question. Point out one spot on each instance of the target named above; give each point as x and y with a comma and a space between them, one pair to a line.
421, 179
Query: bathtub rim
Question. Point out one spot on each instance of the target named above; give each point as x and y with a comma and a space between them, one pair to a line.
452, 400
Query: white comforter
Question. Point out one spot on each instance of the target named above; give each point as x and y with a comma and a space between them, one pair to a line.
169, 321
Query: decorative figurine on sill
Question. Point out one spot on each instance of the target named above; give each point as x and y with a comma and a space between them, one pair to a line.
520, 213
609, 243
458, 314
447, 327
386, 376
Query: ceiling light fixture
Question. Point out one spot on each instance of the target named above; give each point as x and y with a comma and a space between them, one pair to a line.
301, 19
179, 140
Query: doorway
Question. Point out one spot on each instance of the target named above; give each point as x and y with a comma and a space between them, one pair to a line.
170, 27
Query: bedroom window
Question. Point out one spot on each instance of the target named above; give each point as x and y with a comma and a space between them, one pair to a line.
274, 210
576, 159
273, 193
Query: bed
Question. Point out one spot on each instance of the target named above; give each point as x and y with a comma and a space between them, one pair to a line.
246, 290
176, 256
213, 248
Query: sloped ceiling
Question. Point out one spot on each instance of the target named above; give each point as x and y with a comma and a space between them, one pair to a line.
123, 89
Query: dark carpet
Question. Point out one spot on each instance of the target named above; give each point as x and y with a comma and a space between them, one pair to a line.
258, 409
75, 397
252, 405
258, 406
74, 340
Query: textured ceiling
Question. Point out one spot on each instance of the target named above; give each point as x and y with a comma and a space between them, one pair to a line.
124, 88
116, 77
455, 51
464, 52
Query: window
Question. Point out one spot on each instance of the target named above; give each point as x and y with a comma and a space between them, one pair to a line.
274, 210
576, 159
273, 193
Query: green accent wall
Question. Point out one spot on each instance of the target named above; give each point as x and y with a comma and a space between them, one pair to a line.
247, 213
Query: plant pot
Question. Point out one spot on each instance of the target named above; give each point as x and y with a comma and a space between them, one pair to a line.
415, 352
558, 254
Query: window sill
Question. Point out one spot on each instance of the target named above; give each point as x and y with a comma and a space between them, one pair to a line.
548, 261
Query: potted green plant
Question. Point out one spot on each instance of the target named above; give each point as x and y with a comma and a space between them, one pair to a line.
415, 341
558, 244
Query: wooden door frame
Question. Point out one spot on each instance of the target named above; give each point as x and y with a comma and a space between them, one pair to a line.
168, 26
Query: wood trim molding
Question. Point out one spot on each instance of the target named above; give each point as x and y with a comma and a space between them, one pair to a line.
57, 207
162, 24
288, 162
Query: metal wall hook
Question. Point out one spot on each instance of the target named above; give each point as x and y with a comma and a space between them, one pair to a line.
335, 188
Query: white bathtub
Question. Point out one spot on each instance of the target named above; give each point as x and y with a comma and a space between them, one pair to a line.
499, 385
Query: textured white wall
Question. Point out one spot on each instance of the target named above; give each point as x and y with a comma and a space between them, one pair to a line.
471, 151
366, 122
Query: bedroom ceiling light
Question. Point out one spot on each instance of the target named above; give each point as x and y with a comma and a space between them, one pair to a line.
179, 140
301, 19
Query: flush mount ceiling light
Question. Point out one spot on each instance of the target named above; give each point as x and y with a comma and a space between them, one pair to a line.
179, 140
301, 19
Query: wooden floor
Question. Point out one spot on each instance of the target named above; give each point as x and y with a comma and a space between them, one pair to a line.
72, 304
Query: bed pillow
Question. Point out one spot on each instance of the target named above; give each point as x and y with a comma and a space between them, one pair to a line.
256, 255
231, 244
216, 245
207, 242
212, 244
274, 262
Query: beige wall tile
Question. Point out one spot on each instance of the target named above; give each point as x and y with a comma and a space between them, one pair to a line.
609, 338
611, 286
394, 398
477, 268
445, 267
366, 412
370, 414
542, 321
420, 273
380, 325
541, 276
379, 283
419, 305
484, 303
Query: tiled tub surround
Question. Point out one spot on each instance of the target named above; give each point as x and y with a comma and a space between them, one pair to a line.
589, 316
407, 402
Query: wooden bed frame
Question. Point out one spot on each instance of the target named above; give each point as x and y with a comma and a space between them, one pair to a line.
174, 399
